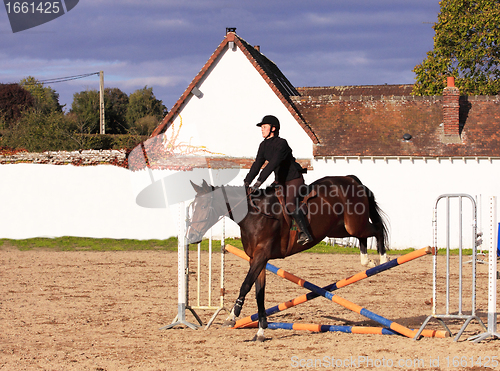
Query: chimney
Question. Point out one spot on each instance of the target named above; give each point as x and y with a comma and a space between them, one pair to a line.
451, 108
230, 36
257, 47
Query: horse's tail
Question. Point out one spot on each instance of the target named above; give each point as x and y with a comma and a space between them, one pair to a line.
377, 216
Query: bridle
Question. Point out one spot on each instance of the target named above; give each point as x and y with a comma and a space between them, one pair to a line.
229, 208
211, 210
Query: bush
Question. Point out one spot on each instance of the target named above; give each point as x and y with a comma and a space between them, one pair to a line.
37, 132
55, 131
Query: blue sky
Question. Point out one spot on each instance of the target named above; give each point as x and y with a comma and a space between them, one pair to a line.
164, 43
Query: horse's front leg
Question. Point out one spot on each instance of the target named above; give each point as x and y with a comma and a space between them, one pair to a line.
260, 292
257, 264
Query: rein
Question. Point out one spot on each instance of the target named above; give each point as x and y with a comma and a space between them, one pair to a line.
230, 209
252, 205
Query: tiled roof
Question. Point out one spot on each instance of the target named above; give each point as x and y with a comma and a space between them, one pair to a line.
357, 90
267, 69
367, 125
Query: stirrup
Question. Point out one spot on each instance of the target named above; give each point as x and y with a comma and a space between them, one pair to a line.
303, 239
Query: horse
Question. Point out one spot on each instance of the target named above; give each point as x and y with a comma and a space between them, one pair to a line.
336, 206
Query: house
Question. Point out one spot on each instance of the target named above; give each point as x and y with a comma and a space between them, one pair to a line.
235, 88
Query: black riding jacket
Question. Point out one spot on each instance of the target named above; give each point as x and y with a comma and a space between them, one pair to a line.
279, 155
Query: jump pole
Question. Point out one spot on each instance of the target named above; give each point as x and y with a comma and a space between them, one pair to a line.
334, 286
335, 298
345, 329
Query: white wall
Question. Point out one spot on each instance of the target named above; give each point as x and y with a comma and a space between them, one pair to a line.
407, 189
100, 201
94, 201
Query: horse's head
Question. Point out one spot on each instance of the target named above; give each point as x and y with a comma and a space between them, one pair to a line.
202, 214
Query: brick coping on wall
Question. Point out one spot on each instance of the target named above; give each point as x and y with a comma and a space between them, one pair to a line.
119, 158
403, 157
76, 158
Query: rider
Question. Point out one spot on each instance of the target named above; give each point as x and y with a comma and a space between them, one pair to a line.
288, 173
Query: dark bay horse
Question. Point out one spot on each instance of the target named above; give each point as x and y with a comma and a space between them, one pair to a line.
339, 206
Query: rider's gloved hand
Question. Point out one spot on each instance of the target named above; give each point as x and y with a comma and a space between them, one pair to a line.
256, 186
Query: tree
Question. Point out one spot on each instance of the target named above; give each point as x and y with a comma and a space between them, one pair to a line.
144, 111
85, 107
46, 99
466, 46
115, 111
14, 99
144, 126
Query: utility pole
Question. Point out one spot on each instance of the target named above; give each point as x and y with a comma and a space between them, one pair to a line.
101, 103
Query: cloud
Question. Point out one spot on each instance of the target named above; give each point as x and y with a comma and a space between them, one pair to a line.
363, 19
164, 43
346, 68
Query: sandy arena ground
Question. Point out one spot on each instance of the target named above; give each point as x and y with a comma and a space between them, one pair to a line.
103, 310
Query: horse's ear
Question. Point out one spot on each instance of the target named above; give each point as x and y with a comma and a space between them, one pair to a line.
197, 189
206, 187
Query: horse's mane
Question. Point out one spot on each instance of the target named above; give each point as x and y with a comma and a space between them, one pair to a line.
268, 191
257, 195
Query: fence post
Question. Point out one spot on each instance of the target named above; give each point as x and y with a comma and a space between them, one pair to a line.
441, 317
182, 275
492, 276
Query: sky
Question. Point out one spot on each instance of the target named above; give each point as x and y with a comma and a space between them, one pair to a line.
163, 44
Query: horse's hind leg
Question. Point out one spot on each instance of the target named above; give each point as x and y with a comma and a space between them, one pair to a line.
363, 248
381, 248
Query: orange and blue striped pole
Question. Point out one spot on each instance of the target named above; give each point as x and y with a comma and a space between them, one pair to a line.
346, 329
328, 295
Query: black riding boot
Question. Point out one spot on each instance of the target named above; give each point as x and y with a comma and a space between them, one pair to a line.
305, 236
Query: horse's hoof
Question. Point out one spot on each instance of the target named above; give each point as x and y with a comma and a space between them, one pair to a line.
259, 338
384, 259
229, 323
369, 264
237, 307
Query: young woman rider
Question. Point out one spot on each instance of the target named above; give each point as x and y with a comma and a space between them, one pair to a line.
288, 172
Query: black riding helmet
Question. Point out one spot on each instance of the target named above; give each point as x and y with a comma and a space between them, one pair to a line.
270, 120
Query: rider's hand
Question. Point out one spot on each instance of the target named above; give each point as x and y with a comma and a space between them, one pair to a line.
255, 186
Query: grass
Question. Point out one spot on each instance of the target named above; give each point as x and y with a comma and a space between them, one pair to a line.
109, 244
89, 244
